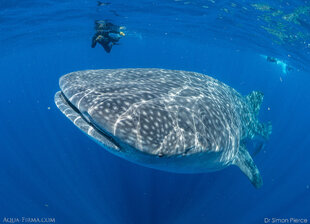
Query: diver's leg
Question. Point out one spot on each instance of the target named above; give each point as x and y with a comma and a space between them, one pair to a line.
94, 41
107, 47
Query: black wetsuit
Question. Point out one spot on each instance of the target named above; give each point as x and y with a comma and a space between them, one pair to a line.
107, 35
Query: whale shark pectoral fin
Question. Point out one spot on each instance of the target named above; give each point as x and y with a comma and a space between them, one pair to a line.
246, 164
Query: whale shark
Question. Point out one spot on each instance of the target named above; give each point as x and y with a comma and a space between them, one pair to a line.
176, 121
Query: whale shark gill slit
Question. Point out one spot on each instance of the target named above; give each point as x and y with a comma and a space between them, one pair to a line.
87, 118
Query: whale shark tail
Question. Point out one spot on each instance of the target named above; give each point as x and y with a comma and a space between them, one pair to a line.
255, 100
246, 164
264, 129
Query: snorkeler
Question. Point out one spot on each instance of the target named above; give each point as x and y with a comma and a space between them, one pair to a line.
285, 67
107, 34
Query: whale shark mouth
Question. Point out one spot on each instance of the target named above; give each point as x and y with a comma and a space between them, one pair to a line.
84, 122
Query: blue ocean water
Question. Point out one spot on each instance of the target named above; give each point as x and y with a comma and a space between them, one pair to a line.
49, 168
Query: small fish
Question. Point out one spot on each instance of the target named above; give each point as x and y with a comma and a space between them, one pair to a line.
99, 3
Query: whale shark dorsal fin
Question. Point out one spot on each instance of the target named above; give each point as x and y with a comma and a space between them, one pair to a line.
246, 164
255, 99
